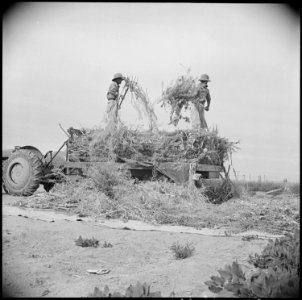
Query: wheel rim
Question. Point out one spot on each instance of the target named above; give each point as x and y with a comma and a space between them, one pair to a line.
19, 173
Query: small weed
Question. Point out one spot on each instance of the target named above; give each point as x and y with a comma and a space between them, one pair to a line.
249, 237
34, 255
227, 233
134, 291
182, 251
87, 242
107, 245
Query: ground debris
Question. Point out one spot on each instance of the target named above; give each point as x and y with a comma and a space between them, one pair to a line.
99, 271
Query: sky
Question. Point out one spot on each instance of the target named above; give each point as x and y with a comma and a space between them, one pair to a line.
59, 60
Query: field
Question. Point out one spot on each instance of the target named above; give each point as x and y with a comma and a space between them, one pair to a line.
48, 262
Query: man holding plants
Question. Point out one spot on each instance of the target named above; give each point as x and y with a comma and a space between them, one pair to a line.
112, 97
200, 97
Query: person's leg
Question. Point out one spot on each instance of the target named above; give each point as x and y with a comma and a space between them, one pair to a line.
112, 113
203, 123
194, 116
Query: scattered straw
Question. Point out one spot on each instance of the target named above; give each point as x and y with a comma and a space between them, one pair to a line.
141, 102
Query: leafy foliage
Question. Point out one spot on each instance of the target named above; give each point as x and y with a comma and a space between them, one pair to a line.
278, 276
283, 253
232, 279
178, 96
182, 251
139, 290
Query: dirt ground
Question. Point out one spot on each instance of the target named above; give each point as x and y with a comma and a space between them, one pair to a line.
40, 257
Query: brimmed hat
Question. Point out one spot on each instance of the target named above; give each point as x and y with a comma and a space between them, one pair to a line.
118, 75
204, 77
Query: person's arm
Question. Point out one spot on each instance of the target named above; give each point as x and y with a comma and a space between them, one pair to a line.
208, 98
112, 91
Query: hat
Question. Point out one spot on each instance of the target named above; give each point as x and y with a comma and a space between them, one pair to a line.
118, 75
204, 77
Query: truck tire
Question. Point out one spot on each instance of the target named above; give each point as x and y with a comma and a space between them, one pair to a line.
3, 185
22, 173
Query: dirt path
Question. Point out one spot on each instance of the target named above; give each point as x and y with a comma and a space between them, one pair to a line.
40, 257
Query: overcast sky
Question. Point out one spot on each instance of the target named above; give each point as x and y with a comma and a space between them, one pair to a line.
59, 59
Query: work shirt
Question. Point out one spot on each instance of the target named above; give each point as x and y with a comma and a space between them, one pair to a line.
203, 94
113, 91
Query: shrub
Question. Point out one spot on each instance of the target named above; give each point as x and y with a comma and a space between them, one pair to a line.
278, 274
283, 253
87, 242
182, 251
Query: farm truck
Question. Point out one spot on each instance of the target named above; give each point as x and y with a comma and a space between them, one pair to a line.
25, 168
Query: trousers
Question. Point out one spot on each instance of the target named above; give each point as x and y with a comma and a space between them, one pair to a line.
197, 116
112, 113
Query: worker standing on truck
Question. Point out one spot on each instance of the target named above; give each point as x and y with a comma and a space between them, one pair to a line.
113, 97
200, 98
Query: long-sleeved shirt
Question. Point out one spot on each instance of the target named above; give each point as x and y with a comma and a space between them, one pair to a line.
203, 94
113, 91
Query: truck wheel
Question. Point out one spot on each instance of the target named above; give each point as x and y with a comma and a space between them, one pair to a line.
3, 185
4, 188
22, 173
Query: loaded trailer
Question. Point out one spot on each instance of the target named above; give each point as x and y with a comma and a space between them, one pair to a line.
25, 168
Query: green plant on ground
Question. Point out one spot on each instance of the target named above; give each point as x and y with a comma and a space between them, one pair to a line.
107, 245
278, 275
87, 242
283, 253
138, 290
182, 251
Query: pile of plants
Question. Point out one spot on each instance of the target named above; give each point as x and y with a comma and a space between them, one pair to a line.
277, 276
110, 192
178, 96
204, 147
